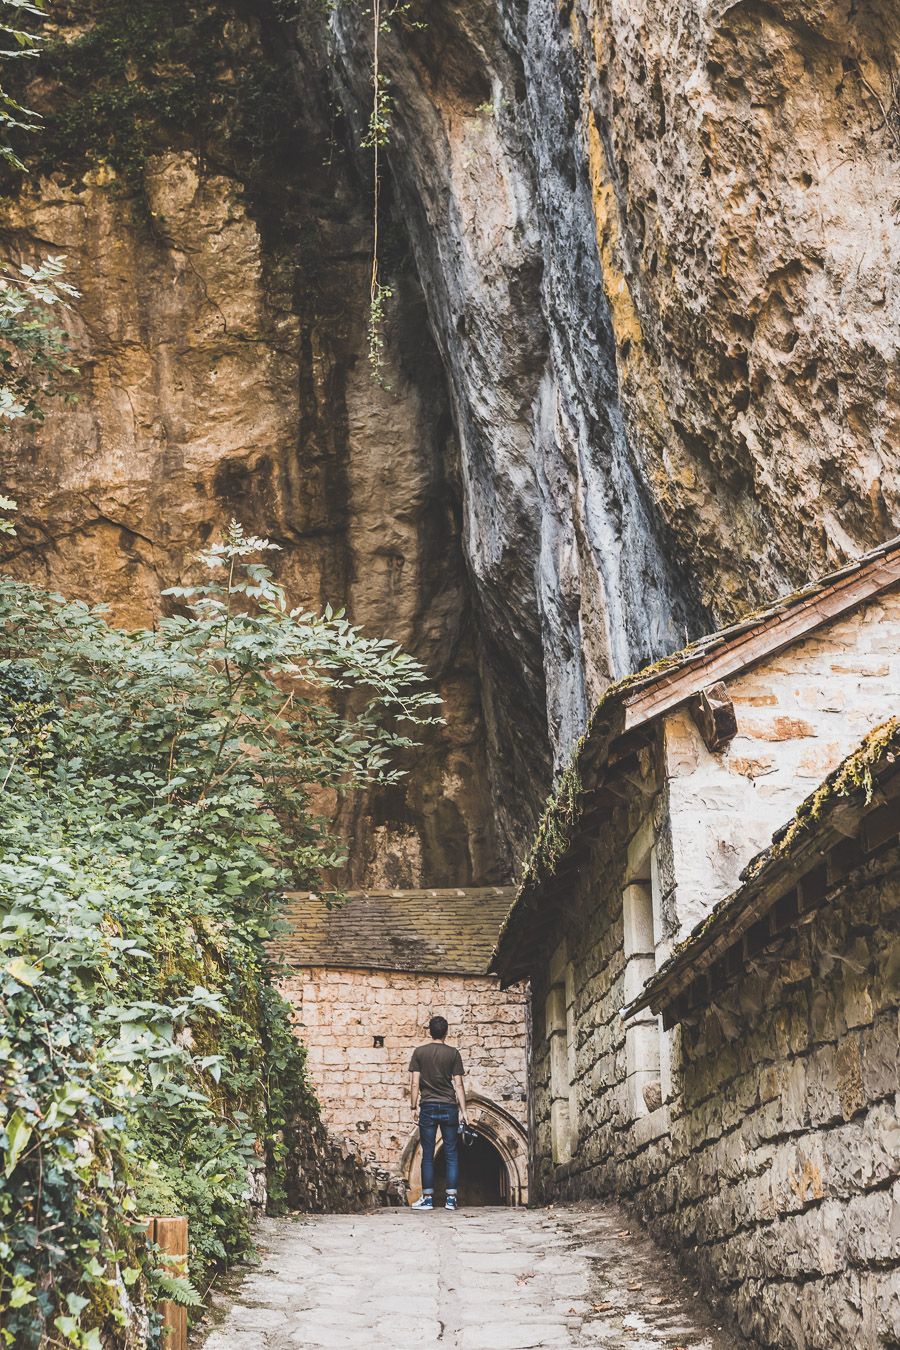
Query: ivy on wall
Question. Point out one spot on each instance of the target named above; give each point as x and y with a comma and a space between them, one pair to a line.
157, 794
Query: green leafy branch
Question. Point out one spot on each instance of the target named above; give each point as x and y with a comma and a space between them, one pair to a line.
26, 44
158, 795
33, 351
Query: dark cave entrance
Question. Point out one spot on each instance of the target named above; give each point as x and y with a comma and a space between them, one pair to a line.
483, 1178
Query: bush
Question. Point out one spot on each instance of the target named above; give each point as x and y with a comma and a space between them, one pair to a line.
157, 794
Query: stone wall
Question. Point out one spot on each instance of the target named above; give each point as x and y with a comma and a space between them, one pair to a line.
799, 714
364, 1088
774, 1169
331, 1176
590, 926
785, 1166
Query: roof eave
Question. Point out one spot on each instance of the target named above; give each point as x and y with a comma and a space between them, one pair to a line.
616, 714
770, 873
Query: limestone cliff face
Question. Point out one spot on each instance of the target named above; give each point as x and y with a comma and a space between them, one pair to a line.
221, 336
642, 349
659, 244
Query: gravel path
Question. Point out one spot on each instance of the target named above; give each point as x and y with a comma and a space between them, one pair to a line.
480, 1279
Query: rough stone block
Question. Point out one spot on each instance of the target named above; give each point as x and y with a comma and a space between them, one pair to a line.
880, 1056
642, 1048
832, 1313
872, 1225
555, 1010
881, 1292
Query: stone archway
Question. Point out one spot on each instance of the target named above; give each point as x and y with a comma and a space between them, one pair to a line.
501, 1129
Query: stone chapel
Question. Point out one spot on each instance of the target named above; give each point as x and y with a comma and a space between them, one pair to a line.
710, 921
364, 977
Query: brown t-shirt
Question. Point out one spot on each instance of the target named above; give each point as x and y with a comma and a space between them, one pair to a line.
437, 1064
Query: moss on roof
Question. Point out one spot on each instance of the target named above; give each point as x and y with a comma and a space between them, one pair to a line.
855, 775
559, 824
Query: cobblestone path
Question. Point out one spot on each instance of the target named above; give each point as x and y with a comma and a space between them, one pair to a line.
480, 1279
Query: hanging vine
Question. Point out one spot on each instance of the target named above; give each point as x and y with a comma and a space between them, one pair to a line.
376, 139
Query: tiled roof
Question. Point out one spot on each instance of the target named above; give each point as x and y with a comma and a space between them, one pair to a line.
784, 621
638, 699
448, 932
864, 786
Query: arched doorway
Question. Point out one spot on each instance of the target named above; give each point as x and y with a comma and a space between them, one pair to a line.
494, 1170
482, 1175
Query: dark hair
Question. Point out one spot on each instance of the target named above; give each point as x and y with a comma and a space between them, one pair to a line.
438, 1028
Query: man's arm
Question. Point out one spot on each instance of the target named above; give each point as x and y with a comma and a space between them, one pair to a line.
414, 1093
459, 1088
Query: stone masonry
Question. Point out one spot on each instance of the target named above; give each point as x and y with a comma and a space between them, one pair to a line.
774, 1168
751, 1120
363, 1087
798, 713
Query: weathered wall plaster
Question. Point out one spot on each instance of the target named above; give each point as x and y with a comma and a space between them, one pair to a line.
799, 714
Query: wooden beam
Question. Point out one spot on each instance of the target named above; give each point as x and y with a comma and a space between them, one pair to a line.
772, 635
713, 711
171, 1236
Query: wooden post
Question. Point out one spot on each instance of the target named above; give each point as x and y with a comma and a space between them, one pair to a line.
171, 1236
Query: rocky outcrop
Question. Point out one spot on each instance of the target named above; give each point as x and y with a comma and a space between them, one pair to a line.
641, 348
221, 336
657, 251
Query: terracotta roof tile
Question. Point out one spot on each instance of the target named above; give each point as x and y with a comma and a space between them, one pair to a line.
445, 931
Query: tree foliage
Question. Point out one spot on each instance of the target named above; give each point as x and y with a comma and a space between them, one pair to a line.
158, 793
33, 348
20, 42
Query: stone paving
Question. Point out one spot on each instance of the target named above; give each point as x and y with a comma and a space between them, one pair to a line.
479, 1279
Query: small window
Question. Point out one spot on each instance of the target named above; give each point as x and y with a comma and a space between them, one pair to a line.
378, 1042
560, 1029
646, 1045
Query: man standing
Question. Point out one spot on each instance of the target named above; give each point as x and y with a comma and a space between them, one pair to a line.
436, 1075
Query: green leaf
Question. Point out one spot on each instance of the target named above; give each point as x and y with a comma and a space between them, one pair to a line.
21, 1294
178, 1289
18, 1133
22, 972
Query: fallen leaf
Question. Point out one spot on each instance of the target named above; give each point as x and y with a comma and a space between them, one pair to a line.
603, 1307
657, 1301
635, 1286
626, 1232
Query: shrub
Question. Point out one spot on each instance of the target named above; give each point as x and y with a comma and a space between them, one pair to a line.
157, 790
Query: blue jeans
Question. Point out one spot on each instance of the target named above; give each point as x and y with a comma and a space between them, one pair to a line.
431, 1115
